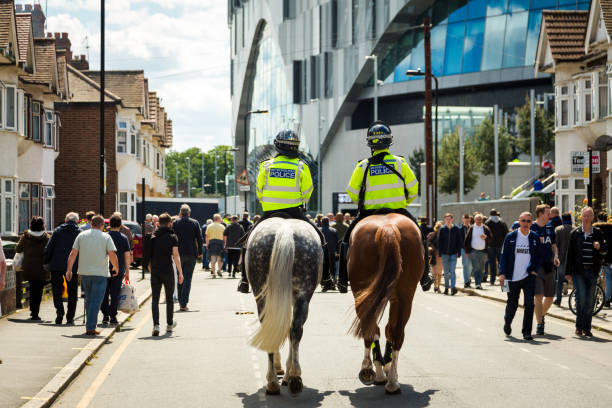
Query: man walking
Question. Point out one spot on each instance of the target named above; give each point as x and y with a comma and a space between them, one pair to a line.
518, 265
215, 243
94, 249
190, 248
586, 247
232, 235
555, 219
163, 249
499, 230
56, 256
449, 247
467, 266
245, 222
331, 237
113, 285
548, 259
562, 235
476, 247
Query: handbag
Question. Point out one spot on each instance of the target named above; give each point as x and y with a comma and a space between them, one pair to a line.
18, 262
127, 298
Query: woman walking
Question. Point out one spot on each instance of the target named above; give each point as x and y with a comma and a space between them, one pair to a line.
32, 245
436, 260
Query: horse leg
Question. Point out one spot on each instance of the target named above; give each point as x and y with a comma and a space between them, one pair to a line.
367, 375
293, 374
277, 364
399, 313
272, 388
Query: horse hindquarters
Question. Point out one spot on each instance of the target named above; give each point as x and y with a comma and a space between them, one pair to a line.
277, 294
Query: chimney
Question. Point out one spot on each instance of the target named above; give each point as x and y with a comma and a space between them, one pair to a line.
38, 20
57, 35
49, 35
80, 63
18, 7
62, 46
64, 35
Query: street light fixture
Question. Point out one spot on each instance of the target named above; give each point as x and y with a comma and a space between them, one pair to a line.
246, 144
418, 72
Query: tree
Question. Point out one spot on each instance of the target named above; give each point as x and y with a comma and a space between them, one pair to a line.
414, 160
544, 130
484, 141
448, 159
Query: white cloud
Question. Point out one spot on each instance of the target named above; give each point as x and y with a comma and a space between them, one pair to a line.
183, 46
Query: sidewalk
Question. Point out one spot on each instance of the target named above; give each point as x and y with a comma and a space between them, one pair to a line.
602, 321
40, 358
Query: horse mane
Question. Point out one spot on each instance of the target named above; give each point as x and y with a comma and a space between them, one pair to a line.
371, 302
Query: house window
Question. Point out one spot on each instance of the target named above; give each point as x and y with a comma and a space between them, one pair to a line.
30, 203
564, 184
21, 113
565, 203
49, 129
588, 100
123, 203
329, 74
127, 205
36, 136
579, 183
10, 105
49, 196
603, 95
562, 114
132, 207
7, 203
121, 141
157, 162
133, 143
139, 147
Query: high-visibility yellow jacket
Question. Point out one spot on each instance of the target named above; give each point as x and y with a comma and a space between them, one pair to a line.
283, 182
384, 189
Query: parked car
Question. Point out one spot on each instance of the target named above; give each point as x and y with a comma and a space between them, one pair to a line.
136, 239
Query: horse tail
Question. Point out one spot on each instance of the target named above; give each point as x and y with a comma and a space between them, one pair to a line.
277, 294
370, 303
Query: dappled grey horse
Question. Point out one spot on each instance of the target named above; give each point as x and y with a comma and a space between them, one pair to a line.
284, 262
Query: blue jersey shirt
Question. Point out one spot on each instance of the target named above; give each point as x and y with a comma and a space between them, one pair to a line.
123, 246
547, 239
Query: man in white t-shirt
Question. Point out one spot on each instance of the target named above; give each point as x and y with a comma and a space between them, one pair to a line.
518, 265
476, 247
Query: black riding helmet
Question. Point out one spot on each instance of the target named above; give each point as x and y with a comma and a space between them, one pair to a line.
287, 142
379, 136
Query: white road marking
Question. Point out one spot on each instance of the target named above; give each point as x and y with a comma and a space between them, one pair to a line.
563, 366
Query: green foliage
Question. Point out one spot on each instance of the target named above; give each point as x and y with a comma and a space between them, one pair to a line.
176, 159
414, 160
544, 130
484, 141
448, 159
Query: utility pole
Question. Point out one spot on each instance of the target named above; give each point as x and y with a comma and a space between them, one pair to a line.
428, 130
496, 120
102, 84
532, 130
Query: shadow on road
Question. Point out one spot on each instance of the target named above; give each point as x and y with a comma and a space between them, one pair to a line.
309, 398
552, 337
166, 335
367, 397
595, 339
28, 321
533, 342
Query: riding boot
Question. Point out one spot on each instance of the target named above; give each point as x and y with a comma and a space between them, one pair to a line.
243, 286
342, 272
326, 280
427, 278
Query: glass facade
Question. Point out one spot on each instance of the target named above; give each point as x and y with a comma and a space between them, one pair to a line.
474, 35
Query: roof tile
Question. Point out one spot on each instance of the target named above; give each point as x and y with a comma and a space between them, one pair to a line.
44, 52
129, 85
24, 29
566, 31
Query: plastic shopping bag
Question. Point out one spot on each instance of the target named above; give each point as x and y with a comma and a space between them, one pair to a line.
127, 298
18, 261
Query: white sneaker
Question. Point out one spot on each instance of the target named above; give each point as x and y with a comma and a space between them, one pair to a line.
171, 327
155, 330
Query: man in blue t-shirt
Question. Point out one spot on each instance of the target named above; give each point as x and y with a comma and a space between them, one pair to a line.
548, 260
113, 287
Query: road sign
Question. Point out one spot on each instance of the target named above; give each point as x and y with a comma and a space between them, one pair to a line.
243, 178
244, 188
579, 159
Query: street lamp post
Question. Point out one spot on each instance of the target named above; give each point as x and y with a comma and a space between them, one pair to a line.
225, 183
374, 59
418, 72
102, 184
246, 144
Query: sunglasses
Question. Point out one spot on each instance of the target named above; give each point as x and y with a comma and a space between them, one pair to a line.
527, 221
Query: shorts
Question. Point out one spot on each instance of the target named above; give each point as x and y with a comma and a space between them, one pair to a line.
215, 247
545, 281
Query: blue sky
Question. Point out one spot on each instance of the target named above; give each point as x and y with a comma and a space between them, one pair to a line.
183, 46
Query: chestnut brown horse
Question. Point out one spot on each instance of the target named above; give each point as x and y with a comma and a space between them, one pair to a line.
385, 264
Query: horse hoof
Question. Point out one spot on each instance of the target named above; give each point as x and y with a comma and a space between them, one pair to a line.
280, 371
396, 391
284, 383
382, 382
295, 385
273, 391
366, 376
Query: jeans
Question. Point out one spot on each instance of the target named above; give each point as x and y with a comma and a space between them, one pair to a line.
57, 286
527, 285
608, 273
477, 259
187, 263
36, 292
167, 281
233, 256
205, 263
449, 263
342, 272
94, 287
110, 302
559, 283
493, 255
585, 298
467, 267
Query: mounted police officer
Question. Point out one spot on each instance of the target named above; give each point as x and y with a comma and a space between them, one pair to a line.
284, 186
383, 183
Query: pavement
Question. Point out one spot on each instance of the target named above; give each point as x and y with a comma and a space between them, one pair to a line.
455, 354
42, 357
601, 322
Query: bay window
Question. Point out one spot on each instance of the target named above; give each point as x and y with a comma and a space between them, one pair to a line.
122, 137
587, 88
562, 115
49, 129
603, 95
30, 203
49, 196
7, 206
21, 113
36, 122
127, 205
10, 106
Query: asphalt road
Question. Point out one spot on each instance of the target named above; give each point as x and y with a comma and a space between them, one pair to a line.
455, 354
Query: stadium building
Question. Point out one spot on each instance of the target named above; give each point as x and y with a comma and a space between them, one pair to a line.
304, 62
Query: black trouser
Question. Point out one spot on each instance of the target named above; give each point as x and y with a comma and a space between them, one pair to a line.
342, 272
233, 256
36, 291
527, 285
111, 296
167, 281
57, 285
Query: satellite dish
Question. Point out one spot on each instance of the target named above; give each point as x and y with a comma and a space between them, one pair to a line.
603, 143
